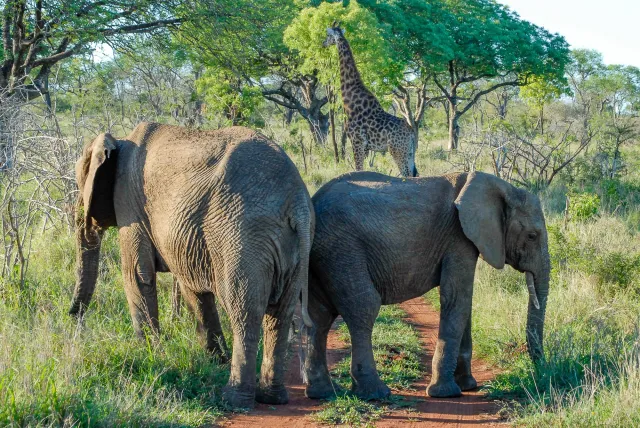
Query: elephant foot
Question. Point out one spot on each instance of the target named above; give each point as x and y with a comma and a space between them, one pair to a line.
323, 390
272, 395
237, 399
443, 389
373, 389
466, 382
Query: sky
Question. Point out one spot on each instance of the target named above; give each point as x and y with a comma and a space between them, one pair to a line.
611, 27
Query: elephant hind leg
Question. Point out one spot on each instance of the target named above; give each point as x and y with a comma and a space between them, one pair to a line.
319, 383
139, 273
275, 326
203, 307
360, 312
242, 291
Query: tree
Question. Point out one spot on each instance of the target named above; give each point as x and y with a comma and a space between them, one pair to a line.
36, 35
304, 36
252, 49
460, 44
540, 92
619, 87
225, 92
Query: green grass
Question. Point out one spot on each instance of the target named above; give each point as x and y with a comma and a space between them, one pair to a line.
349, 410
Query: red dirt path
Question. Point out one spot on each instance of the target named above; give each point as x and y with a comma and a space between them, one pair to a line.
472, 409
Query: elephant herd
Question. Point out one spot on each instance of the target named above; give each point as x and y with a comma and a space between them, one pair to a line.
228, 214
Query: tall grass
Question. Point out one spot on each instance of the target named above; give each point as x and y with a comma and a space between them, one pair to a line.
54, 371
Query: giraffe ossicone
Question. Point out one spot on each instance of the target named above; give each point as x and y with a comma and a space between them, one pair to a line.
369, 127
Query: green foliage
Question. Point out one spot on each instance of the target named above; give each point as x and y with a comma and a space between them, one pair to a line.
617, 271
583, 206
540, 91
221, 91
479, 38
373, 54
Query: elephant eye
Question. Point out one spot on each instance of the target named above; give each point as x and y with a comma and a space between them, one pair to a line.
532, 236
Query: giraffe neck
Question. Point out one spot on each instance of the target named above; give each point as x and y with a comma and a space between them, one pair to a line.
351, 83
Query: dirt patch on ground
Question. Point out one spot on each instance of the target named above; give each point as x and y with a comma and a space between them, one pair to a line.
409, 408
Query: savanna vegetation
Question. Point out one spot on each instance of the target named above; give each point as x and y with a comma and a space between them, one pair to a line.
483, 89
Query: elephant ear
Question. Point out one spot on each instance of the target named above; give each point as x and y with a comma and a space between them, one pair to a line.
95, 173
482, 205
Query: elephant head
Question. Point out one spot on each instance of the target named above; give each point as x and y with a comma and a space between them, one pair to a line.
507, 225
95, 173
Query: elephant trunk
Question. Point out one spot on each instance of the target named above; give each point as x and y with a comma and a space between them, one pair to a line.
87, 259
538, 286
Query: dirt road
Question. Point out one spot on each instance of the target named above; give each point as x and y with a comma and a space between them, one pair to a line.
472, 409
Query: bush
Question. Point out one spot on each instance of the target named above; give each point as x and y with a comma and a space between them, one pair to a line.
617, 271
583, 207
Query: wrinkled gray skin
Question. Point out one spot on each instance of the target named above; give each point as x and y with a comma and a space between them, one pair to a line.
227, 213
381, 240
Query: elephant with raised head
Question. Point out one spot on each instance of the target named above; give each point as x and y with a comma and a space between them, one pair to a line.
227, 213
381, 240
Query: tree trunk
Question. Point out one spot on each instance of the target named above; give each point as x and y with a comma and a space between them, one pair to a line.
332, 121
288, 116
454, 129
319, 127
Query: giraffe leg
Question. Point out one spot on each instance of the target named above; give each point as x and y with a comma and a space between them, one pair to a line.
358, 153
404, 159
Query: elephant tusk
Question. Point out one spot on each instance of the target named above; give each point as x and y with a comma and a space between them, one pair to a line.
532, 289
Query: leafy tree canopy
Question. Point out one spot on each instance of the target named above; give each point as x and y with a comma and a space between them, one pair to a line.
376, 60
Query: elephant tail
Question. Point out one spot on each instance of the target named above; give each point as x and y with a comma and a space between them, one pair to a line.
302, 224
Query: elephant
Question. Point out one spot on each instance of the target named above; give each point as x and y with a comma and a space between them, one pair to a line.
381, 240
227, 213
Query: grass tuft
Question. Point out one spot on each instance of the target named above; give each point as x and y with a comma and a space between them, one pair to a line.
349, 410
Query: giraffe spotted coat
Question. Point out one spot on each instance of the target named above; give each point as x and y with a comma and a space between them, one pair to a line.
369, 127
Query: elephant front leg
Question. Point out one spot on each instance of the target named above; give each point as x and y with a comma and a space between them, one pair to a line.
464, 378
203, 307
360, 317
175, 299
455, 300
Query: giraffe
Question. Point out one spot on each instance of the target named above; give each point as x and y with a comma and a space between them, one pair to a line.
369, 127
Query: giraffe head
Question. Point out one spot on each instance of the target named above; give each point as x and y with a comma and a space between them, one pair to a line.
334, 33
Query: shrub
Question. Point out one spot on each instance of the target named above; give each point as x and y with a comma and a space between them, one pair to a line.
583, 206
617, 271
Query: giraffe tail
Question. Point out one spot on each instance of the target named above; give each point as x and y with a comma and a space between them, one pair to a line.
414, 143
